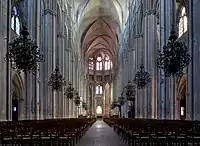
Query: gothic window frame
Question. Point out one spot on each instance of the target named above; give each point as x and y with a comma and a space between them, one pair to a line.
99, 89
99, 63
15, 20
91, 63
108, 63
182, 21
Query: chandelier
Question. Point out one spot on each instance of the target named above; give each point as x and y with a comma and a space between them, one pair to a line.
57, 81
69, 92
114, 104
23, 53
77, 98
85, 105
142, 77
174, 58
121, 100
130, 91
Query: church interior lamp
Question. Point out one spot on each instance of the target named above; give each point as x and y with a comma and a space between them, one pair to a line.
174, 57
23, 53
130, 91
84, 105
114, 104
69, 92
121, 100
142, 77
77, 99
57, 81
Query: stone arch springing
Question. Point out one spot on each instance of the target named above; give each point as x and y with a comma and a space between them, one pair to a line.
17, 83
59, 19
59, 33
140, 20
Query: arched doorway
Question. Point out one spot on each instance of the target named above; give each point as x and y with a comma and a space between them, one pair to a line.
17, 97
15, 109
99, 111
183, 104
182, 95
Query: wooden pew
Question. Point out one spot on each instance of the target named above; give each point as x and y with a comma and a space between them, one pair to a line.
44, 132
156, 132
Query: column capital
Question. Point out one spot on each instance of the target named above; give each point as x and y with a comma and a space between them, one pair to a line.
49, 11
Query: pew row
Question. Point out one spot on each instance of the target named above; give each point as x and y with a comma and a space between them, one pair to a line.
154, 132
44, 132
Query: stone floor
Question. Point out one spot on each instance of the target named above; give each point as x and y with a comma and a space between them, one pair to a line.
100, 134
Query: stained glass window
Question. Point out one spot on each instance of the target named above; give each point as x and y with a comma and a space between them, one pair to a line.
91, 64
15, 22
108, 63
99, 63
183, 22
99, 89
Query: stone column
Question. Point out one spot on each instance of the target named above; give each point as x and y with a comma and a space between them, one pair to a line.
137, 96
150, 33
66, 74
36, 82
162, 82
193, 100
93, 100
140, 93
145, 59
5, 81
60, 58
49, 65
71, 80
30, 79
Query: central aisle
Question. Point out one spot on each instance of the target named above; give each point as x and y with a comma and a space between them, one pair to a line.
100, 134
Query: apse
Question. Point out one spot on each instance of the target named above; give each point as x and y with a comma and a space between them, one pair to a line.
99, 110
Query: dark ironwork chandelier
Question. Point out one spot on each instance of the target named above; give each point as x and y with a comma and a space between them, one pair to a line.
23, 53
77, 98
84, 105
142, 77
69, 92
114, 104
121, 100
130, 91
57, 81
174, 58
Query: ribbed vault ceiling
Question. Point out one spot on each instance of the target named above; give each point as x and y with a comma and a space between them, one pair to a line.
99, 27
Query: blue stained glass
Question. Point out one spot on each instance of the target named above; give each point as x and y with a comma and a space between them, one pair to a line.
15, 11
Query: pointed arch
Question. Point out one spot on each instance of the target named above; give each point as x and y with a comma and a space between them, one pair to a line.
17, 86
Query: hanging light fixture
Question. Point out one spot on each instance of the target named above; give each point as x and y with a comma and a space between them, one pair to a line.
57, 81
130, 91
174, 58
69, 92
121, 100
23, 53
77, 98
142, 77
84, 105
114, 104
